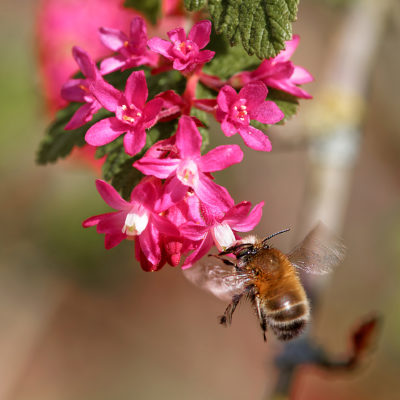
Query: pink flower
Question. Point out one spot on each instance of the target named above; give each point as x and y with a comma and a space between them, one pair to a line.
235, 111
132, 50
60, 24
78, 90
219, 229
137, 219
185, 52
191, 169
132, 114
278, 72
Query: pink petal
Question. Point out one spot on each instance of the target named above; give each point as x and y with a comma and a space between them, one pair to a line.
138, 33
237, 212
226, 96
281, 70
136, 89
289, 87
112, 223
267, 113
92, 221
241, 222
114, 39
180, 65
220, 158
111, 241
228, 128
134, 141
255, 139
200, 252
151, 111
105, 131
215, 196
193, 231
109, 97
200, 33
164, 226
82, 115
174, 191
146, 192
204, 56
290, 48
160, 46
188, 138
111, 64
159, 167
111, 196
86, 64
177, 35
72, 90
149, 244
301, 75
254, 93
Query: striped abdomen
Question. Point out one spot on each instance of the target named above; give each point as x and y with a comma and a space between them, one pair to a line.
287, 313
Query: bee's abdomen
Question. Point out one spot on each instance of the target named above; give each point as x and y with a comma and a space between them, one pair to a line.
287, 315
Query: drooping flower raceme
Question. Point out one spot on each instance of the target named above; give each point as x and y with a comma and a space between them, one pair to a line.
132, 51
219, 229
279, 73
235, 110
184, 51
132, 114
190, 169
137, 219
176, 212
79, 90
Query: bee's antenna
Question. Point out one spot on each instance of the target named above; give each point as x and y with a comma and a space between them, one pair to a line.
275, 234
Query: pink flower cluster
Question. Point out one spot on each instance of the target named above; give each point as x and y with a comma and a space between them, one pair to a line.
177, 212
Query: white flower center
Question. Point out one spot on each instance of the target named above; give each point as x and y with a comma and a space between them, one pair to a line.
135, 223
187, 173
223, 236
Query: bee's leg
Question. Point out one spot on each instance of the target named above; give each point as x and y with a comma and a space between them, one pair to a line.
261, 316
226, 318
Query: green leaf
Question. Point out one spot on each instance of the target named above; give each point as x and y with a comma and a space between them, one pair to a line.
262, 26
149, 8
118, 168
58, 142
194, 5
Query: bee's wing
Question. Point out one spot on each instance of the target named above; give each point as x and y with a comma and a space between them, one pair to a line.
211, 274
319, 251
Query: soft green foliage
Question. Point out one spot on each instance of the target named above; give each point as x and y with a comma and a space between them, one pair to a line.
262, 26
118, 168
58, 142
149, 8
194, 5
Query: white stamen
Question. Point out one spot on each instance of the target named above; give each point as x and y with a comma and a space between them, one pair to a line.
135, 223
223, 236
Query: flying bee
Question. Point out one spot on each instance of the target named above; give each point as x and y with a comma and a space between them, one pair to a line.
268, 278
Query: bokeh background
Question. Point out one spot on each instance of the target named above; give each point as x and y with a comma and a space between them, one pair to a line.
80, 322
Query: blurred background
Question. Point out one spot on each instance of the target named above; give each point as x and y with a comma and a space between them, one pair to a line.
80, 322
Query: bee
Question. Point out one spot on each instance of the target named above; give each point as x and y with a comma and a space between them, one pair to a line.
268, 278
